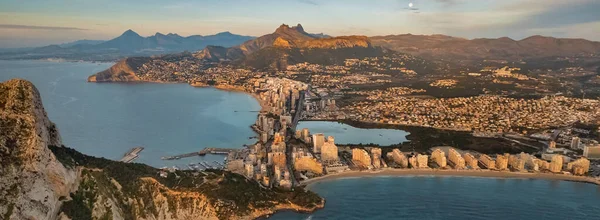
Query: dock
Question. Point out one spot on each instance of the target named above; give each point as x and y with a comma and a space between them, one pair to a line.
208, 150
131, 155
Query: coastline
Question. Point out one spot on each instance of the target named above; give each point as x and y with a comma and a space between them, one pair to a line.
263, 107
459, 173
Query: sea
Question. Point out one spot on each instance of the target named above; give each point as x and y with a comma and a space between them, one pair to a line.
107, 119
448, 198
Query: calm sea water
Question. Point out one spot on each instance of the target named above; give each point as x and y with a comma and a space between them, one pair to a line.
426, 197
346, 134
107, 119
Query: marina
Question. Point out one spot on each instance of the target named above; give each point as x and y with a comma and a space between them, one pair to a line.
208, 150
131, 155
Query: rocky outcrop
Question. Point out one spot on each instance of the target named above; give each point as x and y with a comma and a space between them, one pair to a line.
284, 37
32, 181
122, 71
41, 179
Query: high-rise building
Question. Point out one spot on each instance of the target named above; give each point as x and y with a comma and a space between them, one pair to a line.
278, 138
278, 147
329, 152
422, 161
412, 161
279, 159
515, 162
376, 157
305, 133
552, 145
556, 164
542, 164
579, 167
252, 158
530, 162
361, 158
277, 173
318, 141
439, 158
501, 162
264, 137
575, 142
487, 162
249, 170
456, 159
471, 161
592, 151
263, 169
270, 158
399, 158
308, 164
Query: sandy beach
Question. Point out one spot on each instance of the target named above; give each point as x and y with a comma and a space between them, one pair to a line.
436, 172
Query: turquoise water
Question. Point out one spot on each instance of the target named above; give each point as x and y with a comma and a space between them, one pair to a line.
426, 197
107, 119
346, 134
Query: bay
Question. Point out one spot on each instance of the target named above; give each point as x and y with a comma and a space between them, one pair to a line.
107, 119
430, 197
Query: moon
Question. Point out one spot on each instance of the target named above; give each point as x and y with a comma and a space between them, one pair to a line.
410, 5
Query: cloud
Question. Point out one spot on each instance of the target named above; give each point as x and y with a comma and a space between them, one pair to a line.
310, 2
564, 15
32, 27
447, 2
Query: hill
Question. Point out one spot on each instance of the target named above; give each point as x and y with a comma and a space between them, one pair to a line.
290, 45
456, 49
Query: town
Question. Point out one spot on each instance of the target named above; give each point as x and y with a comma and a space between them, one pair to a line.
285, 157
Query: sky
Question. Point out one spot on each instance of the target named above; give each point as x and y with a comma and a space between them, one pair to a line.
30, 23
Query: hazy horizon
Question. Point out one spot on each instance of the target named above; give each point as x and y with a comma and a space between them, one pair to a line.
39, 23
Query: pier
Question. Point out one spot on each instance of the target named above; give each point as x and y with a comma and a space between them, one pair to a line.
208, 150
131, 155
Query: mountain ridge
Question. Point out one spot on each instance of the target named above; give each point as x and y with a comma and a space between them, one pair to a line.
129, 43
284, 36
504, 48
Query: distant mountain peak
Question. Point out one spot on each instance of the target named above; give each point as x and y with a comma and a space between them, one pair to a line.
284, 28
224, 33
130, 33
299, 28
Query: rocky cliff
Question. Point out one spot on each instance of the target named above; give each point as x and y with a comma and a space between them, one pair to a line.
123, 71
32, 181
41, 179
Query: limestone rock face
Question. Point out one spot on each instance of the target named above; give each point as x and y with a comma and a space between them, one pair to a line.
32, 181
122, 71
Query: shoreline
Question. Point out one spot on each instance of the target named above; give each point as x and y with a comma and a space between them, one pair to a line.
454, 173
